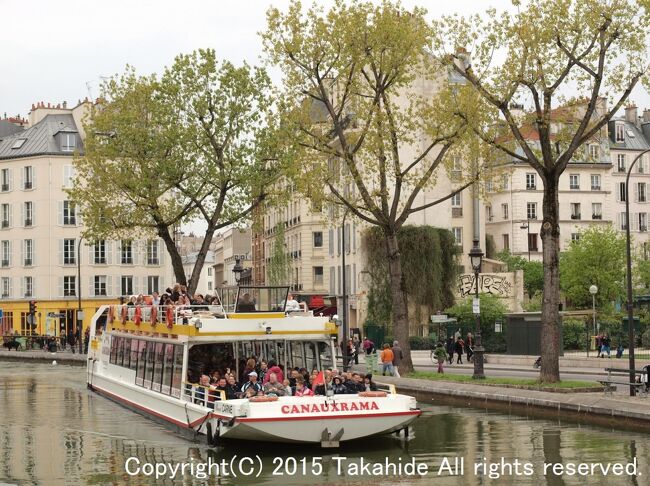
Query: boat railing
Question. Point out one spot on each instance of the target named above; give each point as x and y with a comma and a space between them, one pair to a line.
157, 314
202, 395
387, 387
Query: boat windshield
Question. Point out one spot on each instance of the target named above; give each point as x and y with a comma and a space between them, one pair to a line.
256, 299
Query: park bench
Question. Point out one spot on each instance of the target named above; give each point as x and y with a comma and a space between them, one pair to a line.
613, 380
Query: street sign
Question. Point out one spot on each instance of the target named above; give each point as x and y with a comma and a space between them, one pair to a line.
476, 306
439, 318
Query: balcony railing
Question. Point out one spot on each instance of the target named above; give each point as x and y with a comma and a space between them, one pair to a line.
456, 212
5, 263
596, 216
5, 224
28, 262
643, 228
28, 185
5, 187
595, 188
153, 261
621, 169
28, 222
100, 261
575, 216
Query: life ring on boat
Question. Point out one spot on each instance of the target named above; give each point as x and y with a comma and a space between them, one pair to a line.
111, 314
124, 314
170, 316
373, 394
263, 399
154, 315
137, 318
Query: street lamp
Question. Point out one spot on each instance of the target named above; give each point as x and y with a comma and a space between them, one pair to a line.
593, 290
630, 309
475, 258
80, 314
237, 270
526, 226
344, 297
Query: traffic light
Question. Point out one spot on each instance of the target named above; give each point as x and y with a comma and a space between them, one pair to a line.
32, 307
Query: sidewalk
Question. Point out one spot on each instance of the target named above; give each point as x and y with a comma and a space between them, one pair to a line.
40, 356
595, 407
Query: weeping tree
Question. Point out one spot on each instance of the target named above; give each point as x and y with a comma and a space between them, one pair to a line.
538, 56
194, 144
279, 266
371, 115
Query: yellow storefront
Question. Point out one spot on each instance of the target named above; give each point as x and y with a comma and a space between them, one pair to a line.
53, 318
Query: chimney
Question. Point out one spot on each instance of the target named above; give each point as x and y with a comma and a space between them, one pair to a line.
630, 114
646, 115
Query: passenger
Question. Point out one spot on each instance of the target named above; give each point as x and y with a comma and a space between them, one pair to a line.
250, 366
204, 385
246, 304
322, 388
302, 390
295, 374
338, 387
356, 384
251, 392
215, 377
233, 390
274, 387
155, 298
251, 383
290, 389
222, 386
369, 384
292, 304
274, 368
264, 368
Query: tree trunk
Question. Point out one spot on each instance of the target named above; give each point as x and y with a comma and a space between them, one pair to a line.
177, 261
550, 234
200, 260
399, 300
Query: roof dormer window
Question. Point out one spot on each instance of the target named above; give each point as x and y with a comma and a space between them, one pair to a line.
620, 132
68, 142
19, 143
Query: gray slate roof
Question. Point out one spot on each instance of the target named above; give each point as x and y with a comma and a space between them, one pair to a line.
639, 140
191, 258
8, 128
40, 139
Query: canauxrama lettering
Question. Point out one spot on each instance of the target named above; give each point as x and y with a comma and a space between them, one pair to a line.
329, 407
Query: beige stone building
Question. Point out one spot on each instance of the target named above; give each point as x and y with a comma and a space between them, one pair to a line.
41, 249
231, 245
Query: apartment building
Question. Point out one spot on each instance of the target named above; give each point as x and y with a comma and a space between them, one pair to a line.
513, 205
230, 246
41, 248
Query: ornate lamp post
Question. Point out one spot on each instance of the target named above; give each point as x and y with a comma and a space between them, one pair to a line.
237, 270
475, 258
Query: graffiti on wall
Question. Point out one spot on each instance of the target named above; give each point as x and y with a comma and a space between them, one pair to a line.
498, 285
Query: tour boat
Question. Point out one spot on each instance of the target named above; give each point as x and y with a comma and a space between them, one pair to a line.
148, 358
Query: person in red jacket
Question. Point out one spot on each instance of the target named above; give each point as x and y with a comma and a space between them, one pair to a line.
273, 368
302, 390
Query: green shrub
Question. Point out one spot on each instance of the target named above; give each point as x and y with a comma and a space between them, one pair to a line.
420, 343
645, 339
574, 334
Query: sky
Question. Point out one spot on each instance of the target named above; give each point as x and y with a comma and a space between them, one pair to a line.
55, 52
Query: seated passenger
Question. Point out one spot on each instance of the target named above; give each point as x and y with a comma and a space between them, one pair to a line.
274, 387
274, 368
369, 384
292, 304
252, 383
246, 304
338, 387
204, 384
302, 390
233, 390
222, 386
355, 384
287, 386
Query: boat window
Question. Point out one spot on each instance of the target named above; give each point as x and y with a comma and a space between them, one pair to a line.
177, 376
135, 348
142, 361
126, 360
262, 299
158, 367
120, 351
113, 349
325, 353
310, 356
148, 372
168, 369
296, 354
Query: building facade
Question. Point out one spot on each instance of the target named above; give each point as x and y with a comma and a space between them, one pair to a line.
43, 256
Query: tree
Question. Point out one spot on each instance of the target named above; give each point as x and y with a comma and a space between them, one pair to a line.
539, 55
372, 115
279, 267
533, 271
596, 258
492, 309
194, 143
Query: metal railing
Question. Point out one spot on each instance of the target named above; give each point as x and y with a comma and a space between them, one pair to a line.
201, 394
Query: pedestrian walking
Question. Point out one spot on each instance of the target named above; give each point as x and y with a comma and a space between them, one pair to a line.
469, 346
398, 356
356, 345
606, 343
387, 357
368, 346
599, 343
450, 350
458, 348
440, 353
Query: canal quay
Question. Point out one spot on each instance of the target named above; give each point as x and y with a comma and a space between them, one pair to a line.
54, 431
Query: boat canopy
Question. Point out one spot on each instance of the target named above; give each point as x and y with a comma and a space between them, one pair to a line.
254, 298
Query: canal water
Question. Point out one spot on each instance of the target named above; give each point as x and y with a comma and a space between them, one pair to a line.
53, 431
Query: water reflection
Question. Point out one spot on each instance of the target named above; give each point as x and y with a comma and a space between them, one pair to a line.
53, 431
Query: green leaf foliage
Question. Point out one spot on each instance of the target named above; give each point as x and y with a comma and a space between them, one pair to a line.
533, 271
597, 258
492, 309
